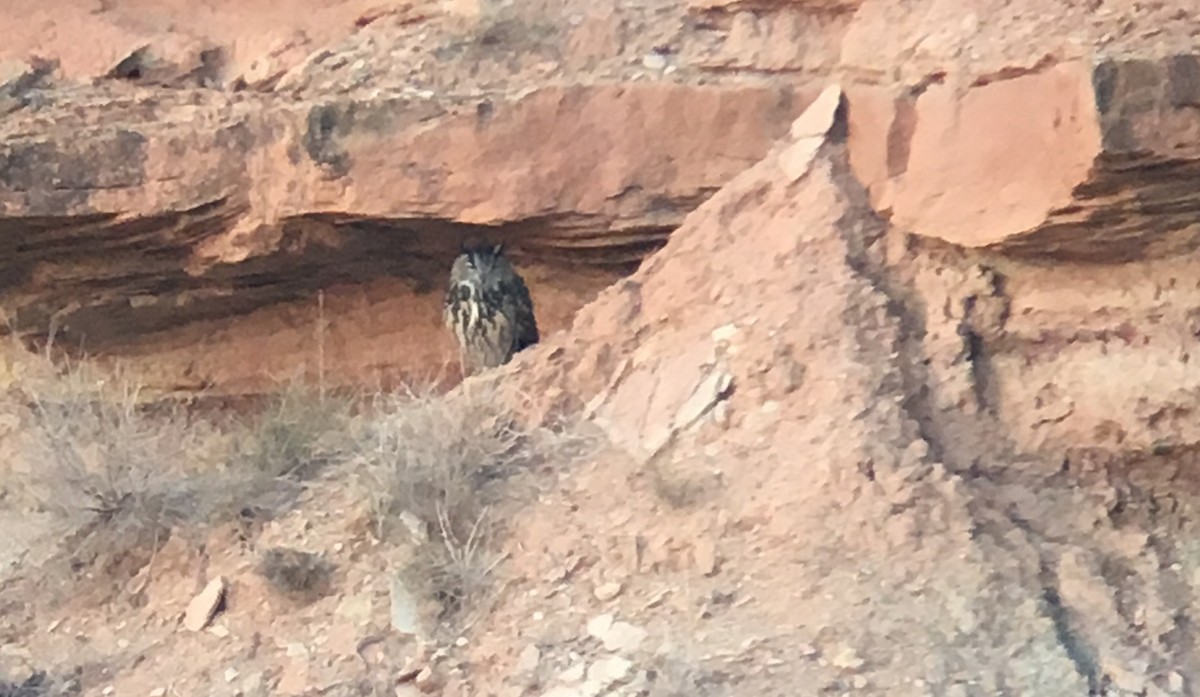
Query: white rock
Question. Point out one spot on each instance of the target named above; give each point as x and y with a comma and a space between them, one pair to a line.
158, 692
607, 591
846, 659
654, 61
624, 637
711, 390
231, 674
724, 333
424, 680
406, 617
598, 626
1175, 682
295, 649
527, 662
573, 674
220, 631
203, 607
608, 670
415, 527
253, 684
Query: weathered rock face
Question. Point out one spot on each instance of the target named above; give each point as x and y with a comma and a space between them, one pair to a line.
350, 191
833, 381
142, 210
237, 227
1094, 168
1084, 216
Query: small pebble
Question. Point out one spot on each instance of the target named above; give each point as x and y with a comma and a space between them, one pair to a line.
607, 591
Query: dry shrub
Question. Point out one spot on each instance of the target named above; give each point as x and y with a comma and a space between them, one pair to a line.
300, 431
302, 575
432, 460
676, 676
109, 464
122, 472
40, 684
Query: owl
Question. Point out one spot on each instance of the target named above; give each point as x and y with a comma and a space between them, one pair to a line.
488, 309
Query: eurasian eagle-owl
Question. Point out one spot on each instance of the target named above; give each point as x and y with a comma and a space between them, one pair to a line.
488, 309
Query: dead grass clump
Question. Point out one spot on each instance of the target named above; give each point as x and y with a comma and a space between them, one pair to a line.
679, 488
300, 431
108, 464
304, 576
427, 461
431, 457
676, 676
39, 684
430, 464
122, 472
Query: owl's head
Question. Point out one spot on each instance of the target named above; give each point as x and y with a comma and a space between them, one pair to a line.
478, 267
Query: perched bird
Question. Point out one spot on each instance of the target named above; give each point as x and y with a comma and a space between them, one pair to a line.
488, 309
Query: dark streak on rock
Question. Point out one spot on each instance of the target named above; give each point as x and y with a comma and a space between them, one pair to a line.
320, 139
1104, 85
1183, 81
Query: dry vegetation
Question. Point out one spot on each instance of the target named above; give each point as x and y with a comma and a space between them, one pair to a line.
122, 473
428, 465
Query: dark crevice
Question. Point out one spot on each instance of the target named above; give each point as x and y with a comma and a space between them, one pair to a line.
1080, 654
114, 282
910, 325
973, 437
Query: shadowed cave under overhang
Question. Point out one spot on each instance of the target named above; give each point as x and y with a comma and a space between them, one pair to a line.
107, 288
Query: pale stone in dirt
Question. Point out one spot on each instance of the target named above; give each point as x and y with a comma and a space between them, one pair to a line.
705, 554
724, 333
847, 658
608, 670
573, 674
607, 591
405, 612
203, 607
599, 625
714, 387
527, 661
623, 637
424, 680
